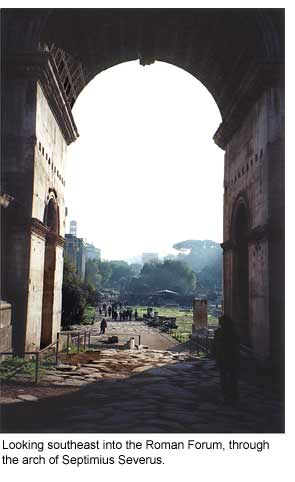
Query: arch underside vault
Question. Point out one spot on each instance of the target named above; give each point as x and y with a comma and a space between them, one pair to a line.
49, 55
223, 48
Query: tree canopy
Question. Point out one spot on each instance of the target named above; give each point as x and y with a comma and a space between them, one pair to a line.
171, 275
76, 294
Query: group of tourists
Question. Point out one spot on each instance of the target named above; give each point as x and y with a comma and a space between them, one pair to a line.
117, 312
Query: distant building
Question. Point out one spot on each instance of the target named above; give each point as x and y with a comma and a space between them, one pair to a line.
73, 228
150, 257
75, 253
92, 252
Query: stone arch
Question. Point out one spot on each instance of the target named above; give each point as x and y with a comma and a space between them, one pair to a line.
237, 54
96, 39
51, 221
240, 229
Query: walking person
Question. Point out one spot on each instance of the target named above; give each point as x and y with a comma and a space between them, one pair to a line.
226, 351
103, 326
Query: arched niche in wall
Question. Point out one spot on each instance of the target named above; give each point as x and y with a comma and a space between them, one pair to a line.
51, 220
51, 214
240, 234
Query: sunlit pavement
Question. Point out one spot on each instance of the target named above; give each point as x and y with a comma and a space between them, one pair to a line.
145, 391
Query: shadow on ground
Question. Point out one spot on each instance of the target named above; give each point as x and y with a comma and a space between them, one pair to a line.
178, 398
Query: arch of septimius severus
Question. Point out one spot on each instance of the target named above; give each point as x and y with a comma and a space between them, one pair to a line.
48, 56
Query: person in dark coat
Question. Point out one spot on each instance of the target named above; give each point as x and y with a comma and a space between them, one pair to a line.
103, 326
226, 351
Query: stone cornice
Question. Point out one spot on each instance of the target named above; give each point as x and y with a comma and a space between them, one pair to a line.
60, 241
257, 234
40, 66
227, 245
266, 232
38, 228
257, 79
55, 239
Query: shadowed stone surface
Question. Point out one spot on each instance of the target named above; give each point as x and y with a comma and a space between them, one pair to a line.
181, 395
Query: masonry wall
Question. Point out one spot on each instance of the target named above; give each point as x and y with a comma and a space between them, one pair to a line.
35, 291
33, 153
249, 174
17, 154
49, 164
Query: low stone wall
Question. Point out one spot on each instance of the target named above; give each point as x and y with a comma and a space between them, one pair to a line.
5, 326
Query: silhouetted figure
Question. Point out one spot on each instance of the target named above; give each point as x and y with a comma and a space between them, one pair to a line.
121, 315
135, 315
226, 350
100, 311
103, 326
109, 311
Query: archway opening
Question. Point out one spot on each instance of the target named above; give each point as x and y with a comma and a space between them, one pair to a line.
51, 220
145, 163
241, 273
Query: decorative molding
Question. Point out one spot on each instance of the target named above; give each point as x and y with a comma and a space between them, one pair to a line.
227, 245
55, 239
41, 66
60, 241
266, 231
38, 228
257, 234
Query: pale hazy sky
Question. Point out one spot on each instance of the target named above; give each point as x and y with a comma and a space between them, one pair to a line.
145, 172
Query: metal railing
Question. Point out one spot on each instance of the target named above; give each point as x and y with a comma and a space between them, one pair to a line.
37, 354
202, 343
86, 338
71, 336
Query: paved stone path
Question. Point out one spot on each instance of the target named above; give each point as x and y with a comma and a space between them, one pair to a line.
149, 336
141, 391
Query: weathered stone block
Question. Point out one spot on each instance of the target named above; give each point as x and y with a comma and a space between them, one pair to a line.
5, 326
200, 315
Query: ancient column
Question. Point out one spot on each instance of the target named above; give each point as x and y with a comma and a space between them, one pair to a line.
200, 316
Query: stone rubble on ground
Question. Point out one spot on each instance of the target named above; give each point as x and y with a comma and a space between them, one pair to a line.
145, 391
